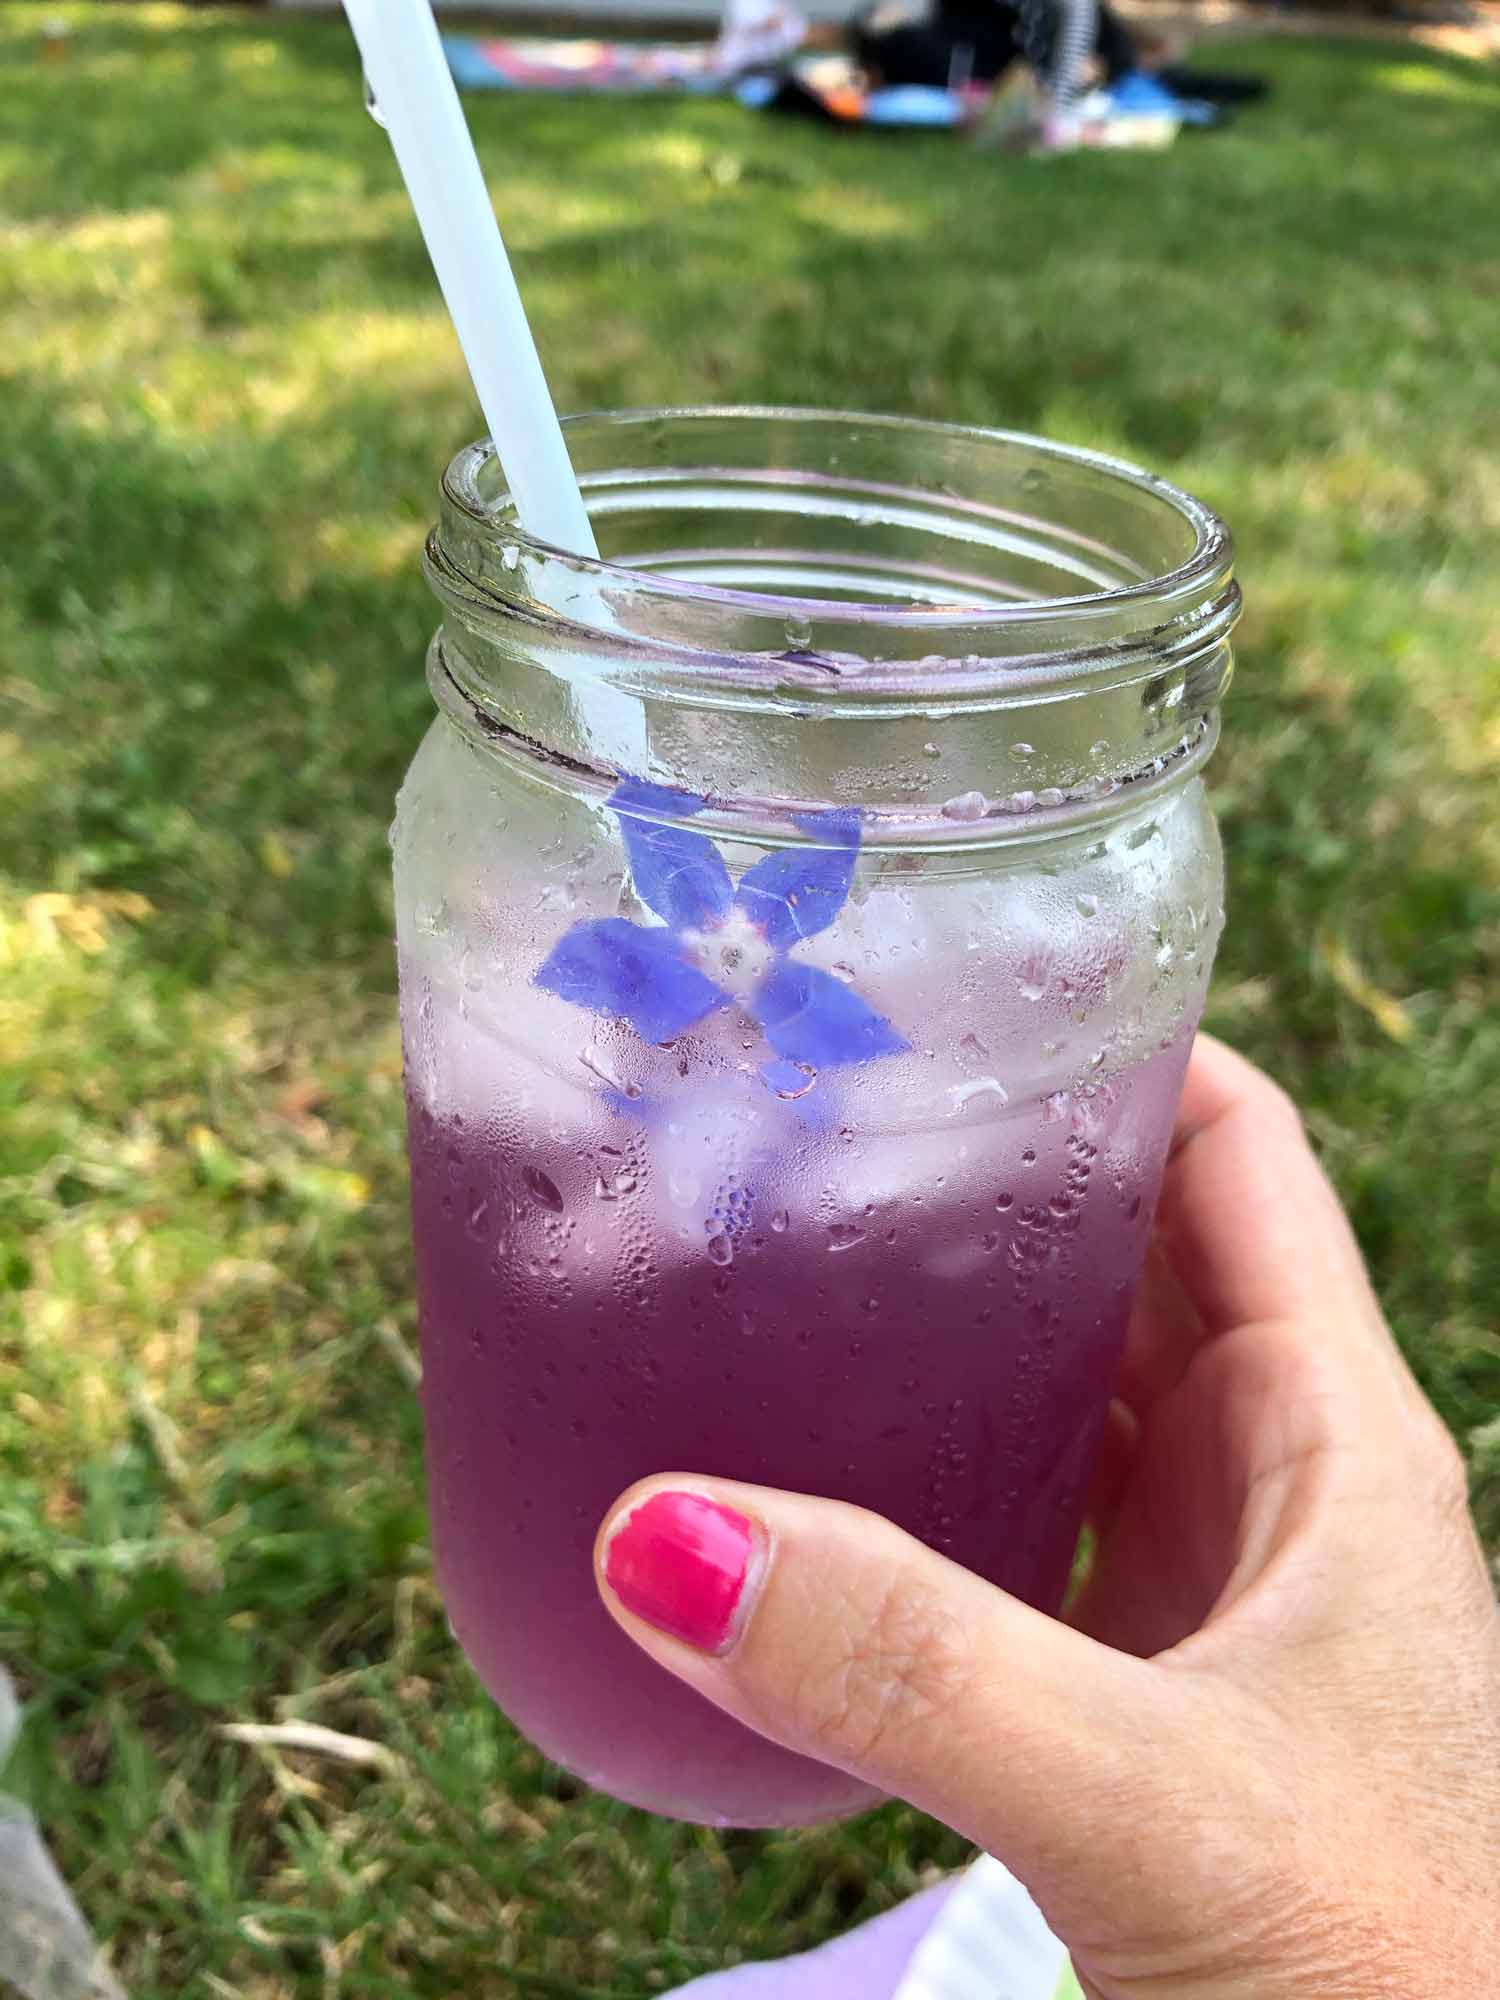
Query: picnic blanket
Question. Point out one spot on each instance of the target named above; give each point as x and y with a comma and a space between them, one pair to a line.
824, 85
755, 59
504, 62
753, 34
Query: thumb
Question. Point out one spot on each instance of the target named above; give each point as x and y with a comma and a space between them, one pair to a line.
837, 1635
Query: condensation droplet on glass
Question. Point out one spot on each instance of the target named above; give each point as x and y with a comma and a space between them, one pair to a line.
962, 1094
844, 1235
542, 1189
780, 1222
1028, 1156
788, 1080
972, 1046
615, 1186
966, 807
1087, 906
1032, 977
720, 1248
798, 631
594, 1062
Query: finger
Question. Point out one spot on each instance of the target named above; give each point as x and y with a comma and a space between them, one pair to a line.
1248, 1220
832, 1632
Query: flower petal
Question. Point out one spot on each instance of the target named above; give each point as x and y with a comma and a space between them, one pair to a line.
789, 1080
631, 973
797, 892
678, 874
810, 1017
639, 795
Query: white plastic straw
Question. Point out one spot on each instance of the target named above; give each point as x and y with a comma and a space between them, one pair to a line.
415, 99
418, 105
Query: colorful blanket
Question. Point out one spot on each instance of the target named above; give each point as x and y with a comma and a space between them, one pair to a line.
547, 63
827, 85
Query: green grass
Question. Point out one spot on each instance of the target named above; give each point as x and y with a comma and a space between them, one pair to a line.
226, 392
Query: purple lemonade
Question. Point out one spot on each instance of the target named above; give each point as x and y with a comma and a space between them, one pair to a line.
803, 912
915, 1325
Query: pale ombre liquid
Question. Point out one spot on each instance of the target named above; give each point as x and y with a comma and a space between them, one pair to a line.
927, 1323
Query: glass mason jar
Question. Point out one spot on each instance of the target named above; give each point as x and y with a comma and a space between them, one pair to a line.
804, 913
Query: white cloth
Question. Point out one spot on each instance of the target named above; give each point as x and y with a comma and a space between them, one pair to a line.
975, 1937
756, 34
988, 1942
46, 1952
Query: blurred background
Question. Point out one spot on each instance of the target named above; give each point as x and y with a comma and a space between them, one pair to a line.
227, 391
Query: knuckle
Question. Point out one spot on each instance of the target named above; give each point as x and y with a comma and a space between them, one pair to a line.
895, 1662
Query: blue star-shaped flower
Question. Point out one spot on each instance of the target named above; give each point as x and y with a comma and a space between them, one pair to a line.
655, 978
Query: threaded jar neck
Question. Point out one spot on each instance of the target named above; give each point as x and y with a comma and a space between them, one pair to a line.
964, 633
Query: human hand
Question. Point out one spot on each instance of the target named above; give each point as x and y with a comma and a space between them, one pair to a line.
1263, 1760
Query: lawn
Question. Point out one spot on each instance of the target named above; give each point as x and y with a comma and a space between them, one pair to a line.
226, 392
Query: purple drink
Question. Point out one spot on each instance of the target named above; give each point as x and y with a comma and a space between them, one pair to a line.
939, 1346
803, 915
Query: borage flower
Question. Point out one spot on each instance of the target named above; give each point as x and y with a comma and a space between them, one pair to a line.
722, 943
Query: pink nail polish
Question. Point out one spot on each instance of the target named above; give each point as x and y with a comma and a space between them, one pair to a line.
680, 1562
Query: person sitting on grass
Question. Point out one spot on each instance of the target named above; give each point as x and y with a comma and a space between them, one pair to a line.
977, 41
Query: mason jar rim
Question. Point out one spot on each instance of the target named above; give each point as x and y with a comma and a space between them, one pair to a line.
1162, 594
936, 546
